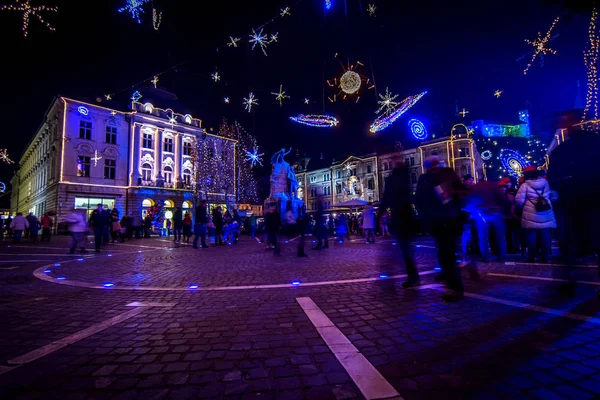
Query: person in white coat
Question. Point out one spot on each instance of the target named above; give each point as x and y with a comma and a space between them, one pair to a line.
78, 227
18, 225
368, 224
536, 223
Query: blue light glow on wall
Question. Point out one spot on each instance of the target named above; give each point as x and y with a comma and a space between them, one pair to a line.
328, 4
417, 128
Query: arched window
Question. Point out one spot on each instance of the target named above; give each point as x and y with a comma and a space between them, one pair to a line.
188, 118
187, 176
186, 205
168, 172
149, 108
147, 203
146, 172
169, 204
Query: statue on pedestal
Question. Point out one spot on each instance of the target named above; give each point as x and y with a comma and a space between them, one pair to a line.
284, 185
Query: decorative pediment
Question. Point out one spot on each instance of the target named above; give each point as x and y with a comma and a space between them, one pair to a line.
188, 165
147, 158
112, 121
84, 148
168, 134
168, 162
111, 152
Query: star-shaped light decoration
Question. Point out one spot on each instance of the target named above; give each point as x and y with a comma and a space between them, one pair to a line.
28, 11
135, 8
108, 97
4, 157
155, 81
254, 157
233, 42
280, 96
539, 46
306, 100
274, 37
371, 9
387, 102
226, 100
136, 96
250, 101
96, 158
463, 113
172, 120
285, 11
498, 93
262, 40
215, 77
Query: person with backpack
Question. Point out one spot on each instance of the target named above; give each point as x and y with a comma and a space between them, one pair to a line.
538, 217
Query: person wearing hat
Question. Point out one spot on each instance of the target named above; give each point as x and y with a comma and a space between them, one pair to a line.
538, 217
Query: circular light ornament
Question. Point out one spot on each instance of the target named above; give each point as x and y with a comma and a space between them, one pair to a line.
486, 155
513, 162
417, 128
350, 82
168, 214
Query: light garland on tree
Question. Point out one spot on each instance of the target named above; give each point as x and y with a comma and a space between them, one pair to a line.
387, 102
540, 46
135, 7
590, 58
28, 11
4, 157
317, 121
156, 19
385, 121
417, 128
280, 96
250, 101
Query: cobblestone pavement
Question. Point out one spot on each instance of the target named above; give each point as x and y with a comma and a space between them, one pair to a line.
243, 335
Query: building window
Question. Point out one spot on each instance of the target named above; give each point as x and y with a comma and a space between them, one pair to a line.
111, 134
385, 166
85, 130
326, 177
168, 145
147, 142
109, 168
338, 189
187, 148
464, 152
168, 174
369, 168
353, 172
413, 178
407, 161
83, 166
327, 190
313, 206
146, 172
370, 184
90, 203
338, 174
313, 179
412, 161
187, 176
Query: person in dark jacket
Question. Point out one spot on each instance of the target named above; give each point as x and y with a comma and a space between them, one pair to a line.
217, 217
397, 198
272, 225
439, 194
99, 220
177, 224
200, 225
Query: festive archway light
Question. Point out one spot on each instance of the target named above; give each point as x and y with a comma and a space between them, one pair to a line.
539, 46
254, 157
386, 120
486, 155
317, 121
250, 101
513, 162
135, 8
417, 128
28, 11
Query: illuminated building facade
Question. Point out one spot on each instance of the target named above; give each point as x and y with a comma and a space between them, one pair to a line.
85, 154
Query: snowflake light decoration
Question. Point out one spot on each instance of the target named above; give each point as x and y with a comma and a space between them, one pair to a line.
172, 119
274, 37
215, 77
498, 93
155, 81
540, 46
385, 121
233, 42
285, 11
371, 9
463, 113
350, 83
280, 96
306, 100
136, 96
4, 157
96, 158
226, 100
28, 11
135, 7
156, 19
316, 121
108, 97
262, 40
387, 102
250, 101
254, 157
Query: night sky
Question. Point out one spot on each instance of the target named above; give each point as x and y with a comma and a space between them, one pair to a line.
461, 51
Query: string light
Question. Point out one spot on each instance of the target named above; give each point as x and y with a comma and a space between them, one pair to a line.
280, 96
463, 113
250, 101
417, 128
155, 81
498, 93
539, 46
387, 102
136, 96
285, 11
254, 157
371, 9
233, 42
135, 7
4, 157
590, 58
28, 11
385, 121
317, 121
513, 162
215, 77
156, 19
262, 40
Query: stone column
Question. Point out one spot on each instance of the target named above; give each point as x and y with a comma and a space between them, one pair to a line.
158, 161
178, 159
135, 177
